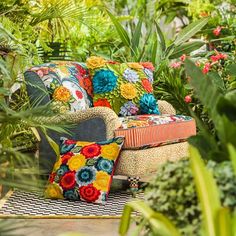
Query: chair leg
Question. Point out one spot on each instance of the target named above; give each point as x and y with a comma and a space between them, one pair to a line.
134, 185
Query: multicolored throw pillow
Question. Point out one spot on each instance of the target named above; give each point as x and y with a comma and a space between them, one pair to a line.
84, 170
124, 87
68, 83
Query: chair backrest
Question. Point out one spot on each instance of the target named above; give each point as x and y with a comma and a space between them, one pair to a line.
68, 86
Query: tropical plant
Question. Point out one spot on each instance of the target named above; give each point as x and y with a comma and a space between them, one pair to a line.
151, 45
217, 220
221, 109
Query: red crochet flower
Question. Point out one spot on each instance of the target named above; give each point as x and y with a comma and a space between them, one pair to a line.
81, 70
147, 65
68, 180
147, 85
91, 150
86, 83
52, 177
69, 141
102, 102
89, 193
66, 157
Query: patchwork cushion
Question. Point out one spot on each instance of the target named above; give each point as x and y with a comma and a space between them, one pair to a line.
68, 83
124, 87
144, 131
84, 170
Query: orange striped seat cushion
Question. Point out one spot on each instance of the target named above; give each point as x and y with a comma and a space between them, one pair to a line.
144, 131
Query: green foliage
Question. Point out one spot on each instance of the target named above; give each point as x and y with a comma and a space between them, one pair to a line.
221, 109
141, 46
173, 193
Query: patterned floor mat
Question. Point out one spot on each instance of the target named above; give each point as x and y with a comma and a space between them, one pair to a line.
30, 205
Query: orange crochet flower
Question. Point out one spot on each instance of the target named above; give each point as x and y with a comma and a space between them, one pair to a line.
147, 85
102, 102
86, 83
147, 65
62, 94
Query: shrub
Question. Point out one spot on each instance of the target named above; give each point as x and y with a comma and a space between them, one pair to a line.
173, 193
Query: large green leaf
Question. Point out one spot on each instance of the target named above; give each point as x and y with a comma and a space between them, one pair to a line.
136, 36
232, 156
207, 192
159, 224
161, 37
189, 31
231, 69
224, 222
186, 48
121, 31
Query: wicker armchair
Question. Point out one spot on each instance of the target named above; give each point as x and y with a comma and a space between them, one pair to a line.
99, 124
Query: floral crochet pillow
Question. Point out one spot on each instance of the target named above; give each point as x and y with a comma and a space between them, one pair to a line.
84, 170
68, 83
124, 87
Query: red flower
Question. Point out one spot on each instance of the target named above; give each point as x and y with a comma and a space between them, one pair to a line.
66, 157
102, 102
81, 70
89, 193
188, 99
217, 30
206, 68
69, 141
79, 94
68, 180
147, 65
52, 177
91, 150
183, 57
147, 85
86, 83
218, 57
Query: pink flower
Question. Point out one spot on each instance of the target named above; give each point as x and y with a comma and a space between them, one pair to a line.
217, 30
183, 57
206, 68
176, 64
188, 99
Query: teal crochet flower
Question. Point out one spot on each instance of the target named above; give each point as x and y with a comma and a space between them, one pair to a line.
71, 194
104, 165
85, 176
148, 104
104, 81
62, 170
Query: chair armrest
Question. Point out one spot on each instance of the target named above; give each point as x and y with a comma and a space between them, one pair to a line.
109, 116
166, 108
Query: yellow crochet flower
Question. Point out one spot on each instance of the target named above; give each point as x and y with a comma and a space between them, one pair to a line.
62, 94
110, 151
76, 162
102, 181
134, 65
95, 62
82, 144
57, 165
128, 91
53, 191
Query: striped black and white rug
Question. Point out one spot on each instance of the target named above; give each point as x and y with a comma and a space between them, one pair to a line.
31, 205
